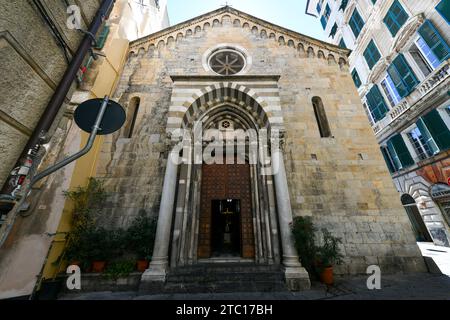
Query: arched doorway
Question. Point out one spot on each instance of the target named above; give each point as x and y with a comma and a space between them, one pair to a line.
418, 225
226, 220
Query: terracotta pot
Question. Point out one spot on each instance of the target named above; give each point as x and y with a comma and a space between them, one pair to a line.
327, 276
142, 265
98, 266
75, 263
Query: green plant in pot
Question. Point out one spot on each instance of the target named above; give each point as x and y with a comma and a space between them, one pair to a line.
303, 231
328, 255
141, 238
86, 202
119, 269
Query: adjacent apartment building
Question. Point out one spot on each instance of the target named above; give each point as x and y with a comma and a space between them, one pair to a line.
400, 65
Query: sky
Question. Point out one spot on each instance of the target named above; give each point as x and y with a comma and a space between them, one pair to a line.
289, 14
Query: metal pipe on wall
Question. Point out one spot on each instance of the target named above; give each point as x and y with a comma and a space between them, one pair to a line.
61, 91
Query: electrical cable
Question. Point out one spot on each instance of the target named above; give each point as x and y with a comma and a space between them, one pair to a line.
59, 38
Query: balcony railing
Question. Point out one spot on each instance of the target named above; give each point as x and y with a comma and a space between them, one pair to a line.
438, 76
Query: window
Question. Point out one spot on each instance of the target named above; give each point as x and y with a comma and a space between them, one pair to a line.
434, 40
420, 59
369, 116
435, 130
356, 23
344, 4
342, 44
390, 91
374, 1
326, 17
444, 9
371, 54
321, 117
227, 62
376, 103
420, 144
427, 53
395, 18
132, 112
319, 6
388, 159
333, 30
399, 152
356, 78
402, 76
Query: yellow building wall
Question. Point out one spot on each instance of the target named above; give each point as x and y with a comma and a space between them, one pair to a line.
105, 84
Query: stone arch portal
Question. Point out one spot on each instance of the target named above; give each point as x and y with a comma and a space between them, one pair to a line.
186, 230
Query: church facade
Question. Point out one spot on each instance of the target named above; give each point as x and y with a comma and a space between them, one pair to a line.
234, 127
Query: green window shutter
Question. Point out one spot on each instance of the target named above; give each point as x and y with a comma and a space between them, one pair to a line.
393, 155
387, 159
395, 18
427, 136
402, 76
401, 151
102, 38
376, 103
356, 23
356, 78
434, 40
438, 129
444, 9
371, 54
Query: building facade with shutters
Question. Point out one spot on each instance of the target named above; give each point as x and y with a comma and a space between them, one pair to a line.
400, 65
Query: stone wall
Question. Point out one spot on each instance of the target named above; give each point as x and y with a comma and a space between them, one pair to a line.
342, 182
32, 65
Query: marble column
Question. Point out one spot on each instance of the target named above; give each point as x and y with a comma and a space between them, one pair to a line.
160, 260
296, 276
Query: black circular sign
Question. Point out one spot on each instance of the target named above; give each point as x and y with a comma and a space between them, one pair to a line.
86, 114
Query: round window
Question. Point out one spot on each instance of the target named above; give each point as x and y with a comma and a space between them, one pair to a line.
227, 62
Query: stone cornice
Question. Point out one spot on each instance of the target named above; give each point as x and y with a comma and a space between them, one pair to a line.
226, 78
282, 35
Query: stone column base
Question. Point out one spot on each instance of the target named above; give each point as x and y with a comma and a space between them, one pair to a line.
297, 278
153, 280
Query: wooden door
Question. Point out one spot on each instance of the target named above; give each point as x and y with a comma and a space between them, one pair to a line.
221, 182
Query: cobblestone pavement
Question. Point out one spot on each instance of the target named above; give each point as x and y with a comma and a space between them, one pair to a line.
393, 287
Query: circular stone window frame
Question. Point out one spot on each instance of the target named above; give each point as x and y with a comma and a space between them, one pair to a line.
248, 61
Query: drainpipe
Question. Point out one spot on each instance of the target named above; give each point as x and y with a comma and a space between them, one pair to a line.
53, 107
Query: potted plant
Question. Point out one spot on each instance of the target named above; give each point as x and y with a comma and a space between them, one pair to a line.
303, 231
140, 239
328, 255
119, 269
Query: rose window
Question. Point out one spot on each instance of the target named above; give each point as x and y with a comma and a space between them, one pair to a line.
227, 62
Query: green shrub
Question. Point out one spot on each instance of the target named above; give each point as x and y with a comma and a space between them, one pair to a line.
315, 258
303, 230
119, 269
329, 253
140, 236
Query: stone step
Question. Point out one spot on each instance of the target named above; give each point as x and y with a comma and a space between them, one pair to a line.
225, 278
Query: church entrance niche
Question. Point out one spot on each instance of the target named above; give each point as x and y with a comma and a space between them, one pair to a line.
226, 228
226, 220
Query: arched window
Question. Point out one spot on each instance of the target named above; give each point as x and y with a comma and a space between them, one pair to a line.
415, 217
132, 112
321, 118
